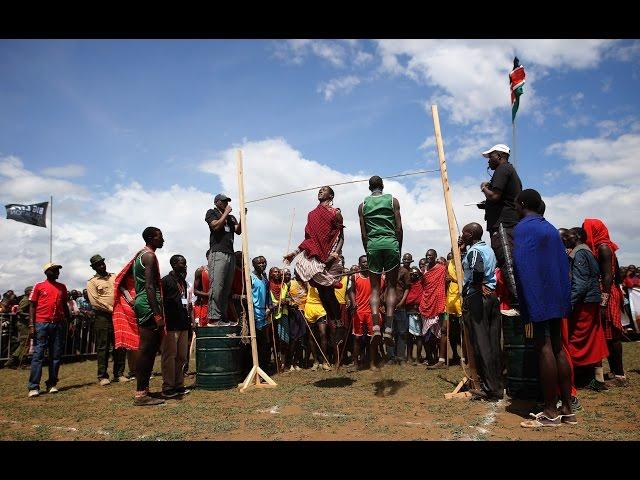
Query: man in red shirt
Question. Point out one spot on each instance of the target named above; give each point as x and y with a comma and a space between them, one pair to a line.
49, 305
359, 293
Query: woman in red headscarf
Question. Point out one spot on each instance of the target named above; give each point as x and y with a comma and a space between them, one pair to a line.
612, 297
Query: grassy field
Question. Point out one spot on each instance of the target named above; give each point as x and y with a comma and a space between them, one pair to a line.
397, 403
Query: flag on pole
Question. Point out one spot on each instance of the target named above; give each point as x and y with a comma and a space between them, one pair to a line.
35, 214
516, 83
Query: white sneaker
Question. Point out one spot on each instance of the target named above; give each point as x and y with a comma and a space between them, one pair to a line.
297, 368
291, 369
34, 393
104, 381
53, 390
123, 379
315, 366
326, 367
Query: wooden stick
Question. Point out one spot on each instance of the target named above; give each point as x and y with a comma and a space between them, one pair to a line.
256, 372
193, 344
453, 234
279, 300
346, 337
317, 344
273, 337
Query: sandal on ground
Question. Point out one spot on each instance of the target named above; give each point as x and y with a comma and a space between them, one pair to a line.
541, 420
570, 419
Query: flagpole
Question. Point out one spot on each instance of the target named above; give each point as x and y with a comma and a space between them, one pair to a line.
513, 143
51, 231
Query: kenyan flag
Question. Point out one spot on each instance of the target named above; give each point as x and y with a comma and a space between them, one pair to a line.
516, 82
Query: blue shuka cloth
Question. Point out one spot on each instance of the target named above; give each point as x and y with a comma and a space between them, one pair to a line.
259, 289
541, 269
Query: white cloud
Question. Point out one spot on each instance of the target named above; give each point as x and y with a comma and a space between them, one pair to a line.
608, 127
341, 85
429, 143
362, 58
551, 176
105, 222
617, 206
338, 53
66, 171
17, 184
577, 98
478, 137
602, 160
296, 51
613, 127
577, 120
626, 53
472, 75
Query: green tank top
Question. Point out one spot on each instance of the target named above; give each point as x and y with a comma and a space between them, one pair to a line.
144, 312
380, 222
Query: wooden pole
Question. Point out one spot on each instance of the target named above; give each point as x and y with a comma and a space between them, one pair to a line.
453, 235
253, 379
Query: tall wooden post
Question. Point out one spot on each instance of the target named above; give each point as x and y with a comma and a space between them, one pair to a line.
453, 235
253, 378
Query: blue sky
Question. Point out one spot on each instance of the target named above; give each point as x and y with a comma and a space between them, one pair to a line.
95, 122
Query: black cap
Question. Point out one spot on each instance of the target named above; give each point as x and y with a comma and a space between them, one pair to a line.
223, 197
96, 259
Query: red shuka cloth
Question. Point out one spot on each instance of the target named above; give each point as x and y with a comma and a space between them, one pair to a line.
200, 309
586, 345
433, 301
125, 323
502, 291
415, 294
321, 232
564, 326
598, 234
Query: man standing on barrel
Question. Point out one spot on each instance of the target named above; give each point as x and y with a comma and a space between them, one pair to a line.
500, 209
222, 227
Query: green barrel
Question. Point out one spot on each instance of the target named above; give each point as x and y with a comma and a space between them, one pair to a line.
218, 357
522, 361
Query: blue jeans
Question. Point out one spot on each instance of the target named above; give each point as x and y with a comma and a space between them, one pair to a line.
48, 335
400, 330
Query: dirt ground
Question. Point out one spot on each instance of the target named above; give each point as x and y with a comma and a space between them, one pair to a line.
397, 403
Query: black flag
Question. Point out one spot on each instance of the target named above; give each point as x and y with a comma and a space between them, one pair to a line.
35, 214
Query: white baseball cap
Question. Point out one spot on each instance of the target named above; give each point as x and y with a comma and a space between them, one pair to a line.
501, 147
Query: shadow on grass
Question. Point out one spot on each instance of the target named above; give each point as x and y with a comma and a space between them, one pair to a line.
455, 384
522, 408
72, 387
338, 382
392, 385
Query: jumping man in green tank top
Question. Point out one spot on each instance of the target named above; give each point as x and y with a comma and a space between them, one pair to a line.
381, 230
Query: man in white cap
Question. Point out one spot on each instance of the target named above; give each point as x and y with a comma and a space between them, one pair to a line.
222, 227
49, 306
499, 207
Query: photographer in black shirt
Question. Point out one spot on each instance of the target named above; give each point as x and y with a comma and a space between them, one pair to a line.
499, 207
